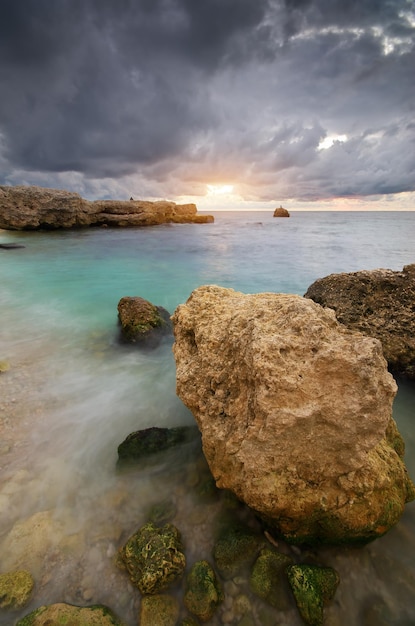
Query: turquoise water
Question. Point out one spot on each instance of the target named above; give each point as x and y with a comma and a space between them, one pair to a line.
72, 393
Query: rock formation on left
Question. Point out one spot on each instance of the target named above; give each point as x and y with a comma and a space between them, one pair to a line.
39, 208
295, 412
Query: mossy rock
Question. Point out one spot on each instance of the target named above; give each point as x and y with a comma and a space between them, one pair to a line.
313, 586
268, 578
142, 322
162, 512
70, 615
159, 610
153, 557
4, 366
203, 591
188, 621
15, 589
236, 548
147, 442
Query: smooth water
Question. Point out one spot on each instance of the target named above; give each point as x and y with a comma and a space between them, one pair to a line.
72, 394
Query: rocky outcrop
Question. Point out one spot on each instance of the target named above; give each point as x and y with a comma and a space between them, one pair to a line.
295, 412
379, 303
281, 212
34, 208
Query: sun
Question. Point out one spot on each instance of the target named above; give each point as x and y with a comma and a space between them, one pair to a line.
219, 190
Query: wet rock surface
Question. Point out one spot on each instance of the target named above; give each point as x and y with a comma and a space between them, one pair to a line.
62, 613
295, 412
379, 303
154, 557
15, 589
142, 444
142, 322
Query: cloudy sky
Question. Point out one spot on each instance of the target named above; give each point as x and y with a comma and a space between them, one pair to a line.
304, 103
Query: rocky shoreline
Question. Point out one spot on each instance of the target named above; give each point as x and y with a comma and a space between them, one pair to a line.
245, 570
39, 208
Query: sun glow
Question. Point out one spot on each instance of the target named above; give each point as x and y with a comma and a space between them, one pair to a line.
219, 190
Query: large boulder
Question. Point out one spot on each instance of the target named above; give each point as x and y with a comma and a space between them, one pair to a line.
33, 208
295, 412
379, 303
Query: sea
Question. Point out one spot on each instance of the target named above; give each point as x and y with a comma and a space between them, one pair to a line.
70, 393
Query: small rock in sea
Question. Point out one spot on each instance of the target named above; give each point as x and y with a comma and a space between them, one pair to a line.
147, 442
268, 578
159, 610
235, 549
313, 586
62, 613
153, 557
142, 322
281, 212
203, 591
15, 589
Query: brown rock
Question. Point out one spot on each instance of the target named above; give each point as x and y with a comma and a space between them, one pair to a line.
295, 412
281, 212
33, 208
379, 303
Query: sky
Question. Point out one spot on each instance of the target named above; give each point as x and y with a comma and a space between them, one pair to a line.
244, 104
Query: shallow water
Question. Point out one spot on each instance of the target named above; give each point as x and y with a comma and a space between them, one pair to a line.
72, 394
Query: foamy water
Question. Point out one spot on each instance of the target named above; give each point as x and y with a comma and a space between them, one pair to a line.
72, 394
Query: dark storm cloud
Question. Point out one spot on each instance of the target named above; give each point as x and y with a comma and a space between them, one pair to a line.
177, 92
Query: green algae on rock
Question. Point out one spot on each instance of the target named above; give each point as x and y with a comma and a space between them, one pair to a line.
188, 621
313, 586
159, 610
69, 615
15, 589
203, 591
268, 578
142, 322
153, 557
4, 366
235, 548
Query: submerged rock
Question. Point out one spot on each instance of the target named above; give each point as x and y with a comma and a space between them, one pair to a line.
142, 322
295, 412
15, 589
154, 557
159, 610
268, 578
11, 246
379, 303
149, 441
236, 548
313, 587
4, 366
33, 208
61, 613
203, 591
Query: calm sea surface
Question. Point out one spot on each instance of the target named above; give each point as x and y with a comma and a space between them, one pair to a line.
72, 394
